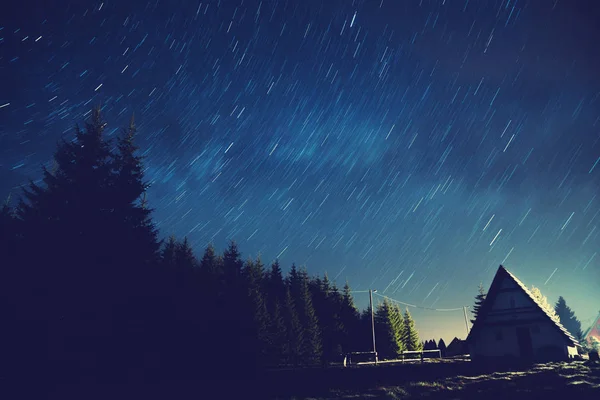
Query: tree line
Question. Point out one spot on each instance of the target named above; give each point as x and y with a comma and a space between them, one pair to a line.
89, 289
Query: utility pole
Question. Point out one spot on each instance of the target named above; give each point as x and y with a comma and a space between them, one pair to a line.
466, 320
373, 322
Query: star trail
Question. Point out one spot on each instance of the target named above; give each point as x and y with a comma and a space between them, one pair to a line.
405, 146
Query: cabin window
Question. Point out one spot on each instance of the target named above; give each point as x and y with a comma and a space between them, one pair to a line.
512, 302
535, 329
499, 334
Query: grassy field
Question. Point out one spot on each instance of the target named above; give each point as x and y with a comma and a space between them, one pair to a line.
443, 379
554, 380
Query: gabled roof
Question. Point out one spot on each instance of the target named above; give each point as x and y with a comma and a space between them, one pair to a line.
502, 274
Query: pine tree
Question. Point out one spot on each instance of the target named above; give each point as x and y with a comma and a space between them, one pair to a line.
312, 346
327, 304
351, 322
543, 301
87, 218
279, 351
129, 201
232, 295
442, 347
568, 319
479, 299
275, 287
278, 337
168, 252
411, 335
258, 323
338, 330
294, 331
389, 330
184, 256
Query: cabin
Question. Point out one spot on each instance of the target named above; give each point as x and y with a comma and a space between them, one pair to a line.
457, 347
512, 326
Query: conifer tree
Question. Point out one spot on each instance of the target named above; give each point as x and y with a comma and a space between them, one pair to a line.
327, 304
294, 330
479, 299
389, 331
232, 296
168, 252
312, 346
338, 330
258, 323
350, 320
275, 286
442, 347
184, 256
276, 306
130, 204
411, 335
279, 349
568, 319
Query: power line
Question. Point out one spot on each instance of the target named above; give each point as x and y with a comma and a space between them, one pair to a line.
421, 307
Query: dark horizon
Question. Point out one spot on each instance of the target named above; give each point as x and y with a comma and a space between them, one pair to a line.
425, 141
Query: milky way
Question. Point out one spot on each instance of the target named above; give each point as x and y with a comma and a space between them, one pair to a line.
407, 146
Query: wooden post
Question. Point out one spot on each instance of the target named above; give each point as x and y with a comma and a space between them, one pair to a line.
466, 321
373, 323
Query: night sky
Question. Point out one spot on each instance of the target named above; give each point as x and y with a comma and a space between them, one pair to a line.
409, 146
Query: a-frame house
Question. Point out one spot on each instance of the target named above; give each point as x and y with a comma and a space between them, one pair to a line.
512, 325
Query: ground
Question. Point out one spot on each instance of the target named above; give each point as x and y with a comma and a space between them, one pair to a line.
442, 379
554, 380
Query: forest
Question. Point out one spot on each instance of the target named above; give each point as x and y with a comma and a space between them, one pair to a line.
91, 290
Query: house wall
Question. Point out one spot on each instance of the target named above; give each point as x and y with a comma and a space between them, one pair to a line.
501, 341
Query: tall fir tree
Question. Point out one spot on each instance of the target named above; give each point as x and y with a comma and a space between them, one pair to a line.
294, 330
479, 299
351, 321
168, 252
568, 319
442, 347
130, 204
276, 307
411, 335
312, 346
231, 298
389, 331
258, 322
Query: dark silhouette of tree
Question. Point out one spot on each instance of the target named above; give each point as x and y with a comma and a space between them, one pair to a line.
257, 321
479, 299
168, 252
442, 346
411, 335
568, 319
327, 305
294, 330
276, 307
351, 322
312, 347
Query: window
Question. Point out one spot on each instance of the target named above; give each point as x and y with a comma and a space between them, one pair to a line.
512, 302
499, 334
